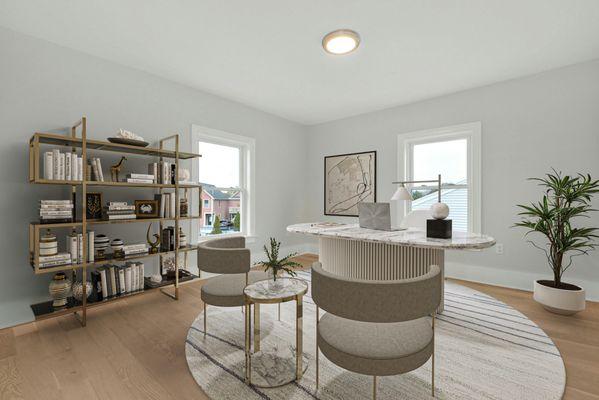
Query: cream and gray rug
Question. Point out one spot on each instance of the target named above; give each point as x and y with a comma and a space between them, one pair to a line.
484, 350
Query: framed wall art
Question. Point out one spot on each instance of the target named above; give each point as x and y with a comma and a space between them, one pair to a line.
93, 206
348, 180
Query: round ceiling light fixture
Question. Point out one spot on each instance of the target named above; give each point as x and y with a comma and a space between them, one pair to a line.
341, 41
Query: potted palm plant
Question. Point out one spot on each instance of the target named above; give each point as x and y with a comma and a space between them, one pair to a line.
565, 199
276, 266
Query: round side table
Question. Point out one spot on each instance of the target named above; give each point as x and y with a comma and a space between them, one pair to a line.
261, 292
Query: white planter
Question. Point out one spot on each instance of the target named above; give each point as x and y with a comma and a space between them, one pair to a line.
559, 301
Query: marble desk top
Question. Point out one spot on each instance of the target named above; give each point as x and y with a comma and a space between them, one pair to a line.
409, 237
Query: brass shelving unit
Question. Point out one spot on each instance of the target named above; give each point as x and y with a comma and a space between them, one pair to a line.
84, 144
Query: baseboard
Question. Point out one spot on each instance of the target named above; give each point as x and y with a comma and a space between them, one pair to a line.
493, 276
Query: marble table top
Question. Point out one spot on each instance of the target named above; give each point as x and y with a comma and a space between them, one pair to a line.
409, 237
262, 291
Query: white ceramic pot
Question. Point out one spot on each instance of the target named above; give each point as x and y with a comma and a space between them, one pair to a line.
559, 301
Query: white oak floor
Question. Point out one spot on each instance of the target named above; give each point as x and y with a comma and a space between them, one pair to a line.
134, 349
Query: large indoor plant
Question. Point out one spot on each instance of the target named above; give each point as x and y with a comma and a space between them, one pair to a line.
275, 266
565, 199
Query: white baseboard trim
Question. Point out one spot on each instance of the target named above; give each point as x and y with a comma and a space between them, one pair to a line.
492, 276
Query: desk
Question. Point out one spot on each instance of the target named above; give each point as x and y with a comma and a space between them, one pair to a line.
360, 253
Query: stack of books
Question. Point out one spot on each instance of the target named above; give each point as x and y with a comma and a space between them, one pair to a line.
120, 210
166, 204
62, 166
140, 178
55, 260
114, 280
135, 249
55, 211
75, 246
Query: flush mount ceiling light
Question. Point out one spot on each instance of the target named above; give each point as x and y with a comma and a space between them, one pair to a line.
341, 41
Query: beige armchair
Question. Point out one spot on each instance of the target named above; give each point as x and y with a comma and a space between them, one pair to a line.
230, 258
376, 328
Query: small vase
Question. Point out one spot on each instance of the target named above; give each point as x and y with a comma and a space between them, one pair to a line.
59, 289
274, 284
77, 290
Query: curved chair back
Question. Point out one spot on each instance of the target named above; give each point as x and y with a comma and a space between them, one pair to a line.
377, 301
224, 256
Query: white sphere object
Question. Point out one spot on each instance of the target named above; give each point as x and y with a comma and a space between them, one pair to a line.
439, 210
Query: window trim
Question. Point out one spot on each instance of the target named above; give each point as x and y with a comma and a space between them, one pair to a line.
471, 131
247, 146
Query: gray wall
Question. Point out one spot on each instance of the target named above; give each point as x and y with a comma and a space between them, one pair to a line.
44, 87
528, 126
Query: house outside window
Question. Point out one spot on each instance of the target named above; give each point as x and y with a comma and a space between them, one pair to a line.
455, 153
226, 173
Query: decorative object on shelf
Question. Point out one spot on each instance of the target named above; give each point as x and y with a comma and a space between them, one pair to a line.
182, 238
59, 288
565, 199
154, 244
168, 266
117, 247
156, 278
275, 266
115, 170
130, 138
349, 179
184, 175
101, 243
146, 208
438, 227
48, 244
77, 290
183, 207
93, 206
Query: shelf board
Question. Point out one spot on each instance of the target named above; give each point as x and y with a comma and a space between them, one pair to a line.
110, 260
45, 309
60, 140
104, 222
117, 184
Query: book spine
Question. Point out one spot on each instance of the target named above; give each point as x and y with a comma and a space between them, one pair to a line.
173, 171
67, 166
172, 208
100, 169
128, 279
95, 173
80, 168
79, 248
90, 246
61, 166
48, 165
122, 279
134, 278
104, 284
74, 173
112, 281
96, 294
139, 180
122, 216
55, 163
117, 281
118, 204
142, 272
72, 241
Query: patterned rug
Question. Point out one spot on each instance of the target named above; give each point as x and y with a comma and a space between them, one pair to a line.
484, 350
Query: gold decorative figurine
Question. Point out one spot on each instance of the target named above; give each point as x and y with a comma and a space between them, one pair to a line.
116, 169
153, 244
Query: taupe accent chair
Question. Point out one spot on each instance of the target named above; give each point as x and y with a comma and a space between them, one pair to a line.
230, 258
376, 328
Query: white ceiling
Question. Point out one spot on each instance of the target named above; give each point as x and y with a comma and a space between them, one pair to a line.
267, 53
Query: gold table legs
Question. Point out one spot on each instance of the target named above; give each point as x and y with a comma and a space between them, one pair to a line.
299, 337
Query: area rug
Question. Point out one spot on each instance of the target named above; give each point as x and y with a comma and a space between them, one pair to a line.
485, 349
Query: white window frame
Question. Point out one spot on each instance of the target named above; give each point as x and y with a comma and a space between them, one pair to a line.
247, 147
471, 131
204, 205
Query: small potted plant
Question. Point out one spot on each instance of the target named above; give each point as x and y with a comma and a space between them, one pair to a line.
275, 266
565, 199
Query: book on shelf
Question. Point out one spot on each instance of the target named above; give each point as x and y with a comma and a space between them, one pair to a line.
79, 168
153, 171
173, 175
127, 279
113, 289
79, 248
104, 283
121, 216
72, 246
96, 294
122, 286
138, 180
141, 176
67, 166
48, 166
118, 204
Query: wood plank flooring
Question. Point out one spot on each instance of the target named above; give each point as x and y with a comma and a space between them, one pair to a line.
134, 349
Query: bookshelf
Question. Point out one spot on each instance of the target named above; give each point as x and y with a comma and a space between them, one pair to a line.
82, 144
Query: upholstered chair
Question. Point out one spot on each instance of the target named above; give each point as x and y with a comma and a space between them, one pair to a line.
376, 328
230, 258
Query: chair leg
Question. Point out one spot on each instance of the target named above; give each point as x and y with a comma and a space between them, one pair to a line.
317, 363
433, 360
374, 388
204, 320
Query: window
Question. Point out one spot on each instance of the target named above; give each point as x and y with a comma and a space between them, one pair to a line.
226, 175
453, 152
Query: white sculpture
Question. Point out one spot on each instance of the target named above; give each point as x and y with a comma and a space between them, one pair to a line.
129, 135
439, 210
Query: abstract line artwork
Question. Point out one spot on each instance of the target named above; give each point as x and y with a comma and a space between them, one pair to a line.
348, 180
